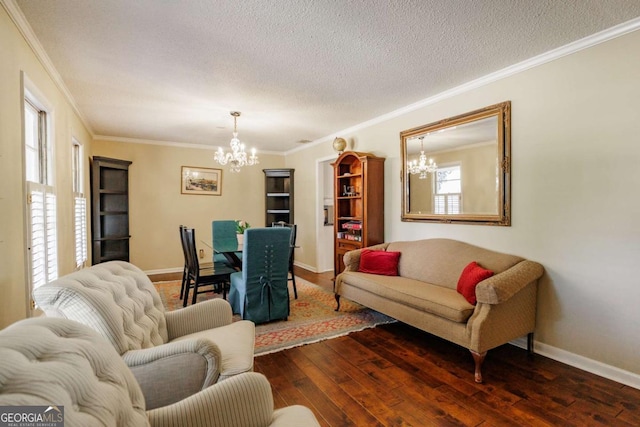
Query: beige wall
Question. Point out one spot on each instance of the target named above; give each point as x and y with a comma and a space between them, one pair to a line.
575, 209
16, 57
157, 207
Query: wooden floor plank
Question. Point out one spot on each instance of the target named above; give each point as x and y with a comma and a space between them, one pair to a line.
396, 375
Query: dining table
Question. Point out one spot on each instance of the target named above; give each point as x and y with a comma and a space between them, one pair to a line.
230, 249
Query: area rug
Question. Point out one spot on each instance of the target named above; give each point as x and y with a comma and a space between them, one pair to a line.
313, 317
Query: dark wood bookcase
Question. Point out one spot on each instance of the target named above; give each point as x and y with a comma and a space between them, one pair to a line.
358, 203
278, 195
109, 209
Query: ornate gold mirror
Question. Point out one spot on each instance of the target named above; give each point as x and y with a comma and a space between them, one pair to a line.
458, 169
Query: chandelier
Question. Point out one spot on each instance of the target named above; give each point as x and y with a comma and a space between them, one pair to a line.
237, 158
422, 166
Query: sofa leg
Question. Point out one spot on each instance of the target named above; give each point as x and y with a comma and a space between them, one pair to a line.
338, 301
530, 344
478, 358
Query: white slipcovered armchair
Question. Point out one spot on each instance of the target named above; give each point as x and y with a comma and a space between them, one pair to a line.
59, 362
172, 354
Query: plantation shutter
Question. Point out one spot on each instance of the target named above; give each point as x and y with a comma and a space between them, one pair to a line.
439, 204
43, 245
80, 220
447, 203
453, 203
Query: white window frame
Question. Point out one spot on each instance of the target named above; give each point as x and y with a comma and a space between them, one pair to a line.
40, 194
79, 204
446, 203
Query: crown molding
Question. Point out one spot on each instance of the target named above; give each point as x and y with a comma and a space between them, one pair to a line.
171, 144
29, 36
552, 55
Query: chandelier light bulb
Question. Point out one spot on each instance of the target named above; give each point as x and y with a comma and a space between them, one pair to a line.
237, 158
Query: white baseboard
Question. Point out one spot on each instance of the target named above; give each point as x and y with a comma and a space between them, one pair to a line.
164, 271
305, 266
589, 365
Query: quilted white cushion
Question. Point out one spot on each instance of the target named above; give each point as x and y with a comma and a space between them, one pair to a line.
115, 298
46, 361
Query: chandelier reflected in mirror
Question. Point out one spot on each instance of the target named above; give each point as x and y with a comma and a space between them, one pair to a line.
237, 158
422, 166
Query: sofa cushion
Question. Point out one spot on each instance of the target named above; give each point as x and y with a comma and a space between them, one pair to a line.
469, 279
379, 262
440, 261
438, 300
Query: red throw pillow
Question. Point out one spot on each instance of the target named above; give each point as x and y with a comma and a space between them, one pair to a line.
470, 277
379, 262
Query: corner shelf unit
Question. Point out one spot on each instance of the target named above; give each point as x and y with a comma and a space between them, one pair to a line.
358, 203
109, 209
278, 195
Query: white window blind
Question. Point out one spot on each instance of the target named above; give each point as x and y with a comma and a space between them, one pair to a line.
447, 203
43, 244
80, 206
80, 230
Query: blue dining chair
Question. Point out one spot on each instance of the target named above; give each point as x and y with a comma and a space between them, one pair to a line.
259, 292
223, 234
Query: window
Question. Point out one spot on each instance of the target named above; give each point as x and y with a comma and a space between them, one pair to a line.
447, 197
80, 206
41, 199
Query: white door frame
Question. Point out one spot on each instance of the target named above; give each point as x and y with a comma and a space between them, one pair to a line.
320, 208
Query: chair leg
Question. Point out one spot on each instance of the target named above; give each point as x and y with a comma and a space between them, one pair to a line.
187, 286
338, 301
195, 292
184, 280
295, 290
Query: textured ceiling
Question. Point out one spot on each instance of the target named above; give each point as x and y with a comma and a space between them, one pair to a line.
296, 69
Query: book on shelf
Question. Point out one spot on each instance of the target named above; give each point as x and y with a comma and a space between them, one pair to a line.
349, 236
352, 225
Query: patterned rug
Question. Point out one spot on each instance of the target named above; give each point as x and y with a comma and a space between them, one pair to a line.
312, 317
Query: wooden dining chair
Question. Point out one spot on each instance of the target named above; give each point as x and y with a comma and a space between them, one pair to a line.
216, 275
292, 243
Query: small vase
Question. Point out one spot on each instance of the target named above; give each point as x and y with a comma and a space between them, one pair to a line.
240, 238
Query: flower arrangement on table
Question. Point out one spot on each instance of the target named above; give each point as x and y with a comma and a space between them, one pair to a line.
241, 226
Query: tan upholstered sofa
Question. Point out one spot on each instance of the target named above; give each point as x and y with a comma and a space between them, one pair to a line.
424, 293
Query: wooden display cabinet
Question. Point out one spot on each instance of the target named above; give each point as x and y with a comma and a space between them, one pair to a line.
358, 203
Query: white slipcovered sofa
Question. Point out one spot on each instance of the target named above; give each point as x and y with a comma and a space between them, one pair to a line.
190, 349
68, 367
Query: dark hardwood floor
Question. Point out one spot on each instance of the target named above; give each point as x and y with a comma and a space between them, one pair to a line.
396, 375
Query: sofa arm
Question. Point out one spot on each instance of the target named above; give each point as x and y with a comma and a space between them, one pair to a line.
499, 288
242, 400
352, 258
188, 366
198, 317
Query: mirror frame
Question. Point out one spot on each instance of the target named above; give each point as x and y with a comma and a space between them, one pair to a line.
503, 217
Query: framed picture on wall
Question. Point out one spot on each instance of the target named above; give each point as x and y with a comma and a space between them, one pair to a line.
201, 181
